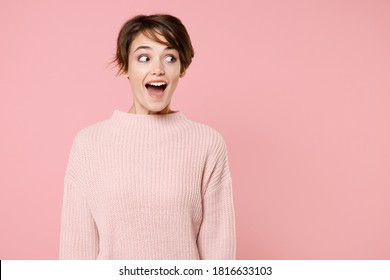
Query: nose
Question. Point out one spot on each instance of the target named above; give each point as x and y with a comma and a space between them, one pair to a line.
158, 68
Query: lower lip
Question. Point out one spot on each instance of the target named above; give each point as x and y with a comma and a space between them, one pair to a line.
155, 96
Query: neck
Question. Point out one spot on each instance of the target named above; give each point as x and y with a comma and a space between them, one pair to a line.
155, 121
135, 110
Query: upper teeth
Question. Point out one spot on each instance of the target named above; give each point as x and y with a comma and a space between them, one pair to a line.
157, 83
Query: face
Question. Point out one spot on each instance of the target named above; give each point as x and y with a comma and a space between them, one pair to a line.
154, 73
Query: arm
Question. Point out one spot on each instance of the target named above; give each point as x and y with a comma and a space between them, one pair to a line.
217, 236
79, 236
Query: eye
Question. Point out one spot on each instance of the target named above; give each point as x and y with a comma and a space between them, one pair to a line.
143, 58
171, 58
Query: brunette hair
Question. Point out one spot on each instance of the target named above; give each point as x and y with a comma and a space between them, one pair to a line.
168, 26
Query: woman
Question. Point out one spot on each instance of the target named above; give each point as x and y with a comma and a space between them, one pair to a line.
149, 183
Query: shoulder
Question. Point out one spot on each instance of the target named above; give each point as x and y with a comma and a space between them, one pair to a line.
91, 132
210, 135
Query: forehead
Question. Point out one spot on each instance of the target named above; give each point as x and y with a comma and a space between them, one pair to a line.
146, 39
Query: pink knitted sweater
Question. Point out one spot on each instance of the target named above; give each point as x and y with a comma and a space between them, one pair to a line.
148, 187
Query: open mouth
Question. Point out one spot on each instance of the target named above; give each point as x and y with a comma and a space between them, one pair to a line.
156, 88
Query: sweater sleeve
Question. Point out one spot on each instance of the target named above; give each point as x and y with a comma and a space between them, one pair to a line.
217, 235
79, 236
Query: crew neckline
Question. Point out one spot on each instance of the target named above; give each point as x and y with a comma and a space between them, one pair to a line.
125, 118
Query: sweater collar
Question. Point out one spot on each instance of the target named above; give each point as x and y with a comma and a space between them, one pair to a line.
162, 120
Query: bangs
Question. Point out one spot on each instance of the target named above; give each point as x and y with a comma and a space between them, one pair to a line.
169, 41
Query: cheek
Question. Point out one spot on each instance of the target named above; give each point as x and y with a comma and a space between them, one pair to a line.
174, 83
136, 81
174, 72
136, 74
135, 68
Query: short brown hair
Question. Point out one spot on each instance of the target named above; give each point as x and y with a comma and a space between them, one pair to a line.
168, 26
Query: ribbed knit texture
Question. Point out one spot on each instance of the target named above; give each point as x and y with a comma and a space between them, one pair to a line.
148, 187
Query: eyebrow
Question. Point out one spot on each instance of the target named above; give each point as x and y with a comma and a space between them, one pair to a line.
149, 48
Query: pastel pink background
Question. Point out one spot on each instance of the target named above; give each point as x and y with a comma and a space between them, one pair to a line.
300, 90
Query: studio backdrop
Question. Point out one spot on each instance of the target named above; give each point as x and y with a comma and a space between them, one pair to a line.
300, 90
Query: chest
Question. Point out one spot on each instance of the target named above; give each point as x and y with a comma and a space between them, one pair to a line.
143, 176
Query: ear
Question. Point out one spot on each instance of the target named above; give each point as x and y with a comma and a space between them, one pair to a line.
183, 73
